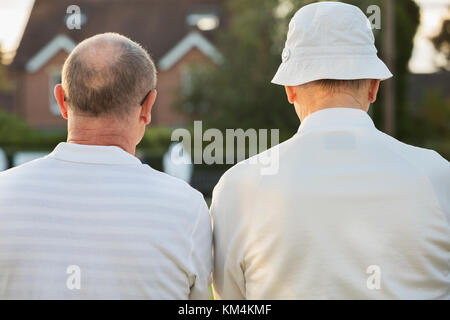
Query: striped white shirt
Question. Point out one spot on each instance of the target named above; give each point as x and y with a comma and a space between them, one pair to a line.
93, 222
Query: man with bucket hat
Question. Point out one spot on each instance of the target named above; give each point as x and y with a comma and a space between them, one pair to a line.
351, 212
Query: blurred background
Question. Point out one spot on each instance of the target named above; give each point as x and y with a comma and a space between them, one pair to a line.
215, 60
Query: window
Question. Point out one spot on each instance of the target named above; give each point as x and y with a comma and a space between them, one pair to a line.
204, 20
55, 78
194, 102
186, 88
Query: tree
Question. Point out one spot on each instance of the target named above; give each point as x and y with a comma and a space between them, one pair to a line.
441, 42
6, 84
238, 93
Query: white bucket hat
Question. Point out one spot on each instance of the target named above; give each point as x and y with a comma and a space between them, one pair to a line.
329, 40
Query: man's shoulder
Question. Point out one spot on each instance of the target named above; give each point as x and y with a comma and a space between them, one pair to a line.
184, 198
31, 166
175, 185
426, 161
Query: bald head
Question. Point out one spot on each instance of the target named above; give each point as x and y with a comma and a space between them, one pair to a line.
107, 74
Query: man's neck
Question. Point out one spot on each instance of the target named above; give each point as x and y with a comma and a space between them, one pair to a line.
328, 102
91, 131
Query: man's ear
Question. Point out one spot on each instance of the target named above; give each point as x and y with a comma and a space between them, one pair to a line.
374, 85
146, 108
291, 94
59, 96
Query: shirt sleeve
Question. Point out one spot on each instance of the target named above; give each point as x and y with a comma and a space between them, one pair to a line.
201, 255
228, 274
439, 175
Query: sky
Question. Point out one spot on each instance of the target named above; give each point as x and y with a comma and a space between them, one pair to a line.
432, 14
14, 15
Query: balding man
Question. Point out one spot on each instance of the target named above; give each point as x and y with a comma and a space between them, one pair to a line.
352, 213
90, 221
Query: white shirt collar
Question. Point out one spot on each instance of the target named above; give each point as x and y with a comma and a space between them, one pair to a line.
111, 155
335, 118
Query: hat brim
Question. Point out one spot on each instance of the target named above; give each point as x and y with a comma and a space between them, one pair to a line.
294, 72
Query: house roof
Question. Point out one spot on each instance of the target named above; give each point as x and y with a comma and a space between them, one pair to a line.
157, 25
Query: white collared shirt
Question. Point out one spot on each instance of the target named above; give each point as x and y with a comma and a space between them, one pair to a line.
351, 214
93, 222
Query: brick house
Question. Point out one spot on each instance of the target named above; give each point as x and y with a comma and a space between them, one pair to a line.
177, 33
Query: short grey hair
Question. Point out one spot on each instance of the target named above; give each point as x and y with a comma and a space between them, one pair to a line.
333, 85
107, 74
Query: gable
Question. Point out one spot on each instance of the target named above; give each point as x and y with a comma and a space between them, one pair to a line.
192, 40
60, 42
